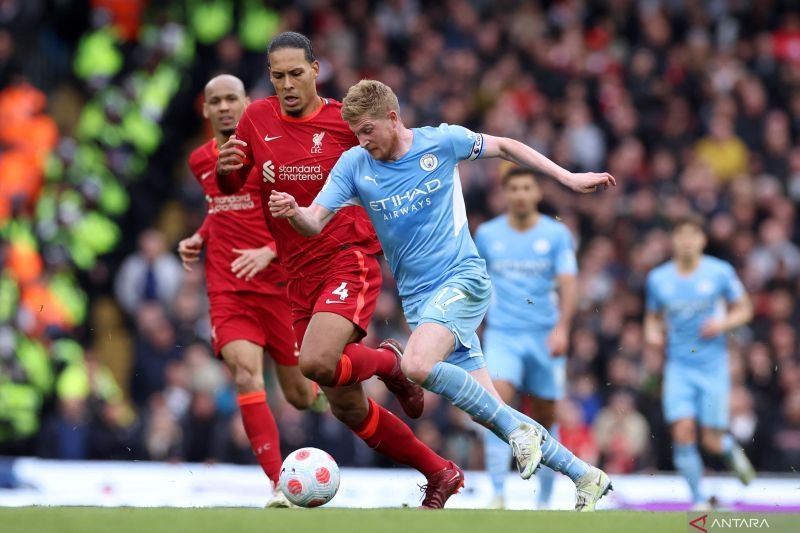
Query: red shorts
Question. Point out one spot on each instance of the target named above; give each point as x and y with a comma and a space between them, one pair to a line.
349, 288
261, 319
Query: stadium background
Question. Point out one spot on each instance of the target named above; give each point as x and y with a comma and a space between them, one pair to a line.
691, 105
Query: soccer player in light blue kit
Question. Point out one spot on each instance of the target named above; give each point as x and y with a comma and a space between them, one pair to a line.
697, 299
531, 260
407, 180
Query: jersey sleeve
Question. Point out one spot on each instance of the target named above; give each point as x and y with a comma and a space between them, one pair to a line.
566, 263
733, 289
480, 242
652, 302
465, 143
340, 190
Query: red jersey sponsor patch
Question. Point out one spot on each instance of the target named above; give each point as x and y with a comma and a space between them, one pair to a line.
233, 221
295, 156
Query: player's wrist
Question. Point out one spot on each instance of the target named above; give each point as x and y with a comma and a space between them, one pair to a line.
564, 326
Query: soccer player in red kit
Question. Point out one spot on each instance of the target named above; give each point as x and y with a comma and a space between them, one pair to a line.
292, 140
246, 286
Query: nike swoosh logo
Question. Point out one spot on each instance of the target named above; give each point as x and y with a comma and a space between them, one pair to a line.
204, 175
334, 302
267, 138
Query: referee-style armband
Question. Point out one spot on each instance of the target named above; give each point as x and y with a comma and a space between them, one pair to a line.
477, 147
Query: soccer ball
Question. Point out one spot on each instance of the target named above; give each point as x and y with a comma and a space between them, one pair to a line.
309, 477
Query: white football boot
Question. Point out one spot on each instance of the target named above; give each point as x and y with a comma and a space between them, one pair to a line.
526, 445
589, 488
279, 500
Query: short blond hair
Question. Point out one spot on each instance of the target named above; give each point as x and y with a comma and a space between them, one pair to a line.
368, 98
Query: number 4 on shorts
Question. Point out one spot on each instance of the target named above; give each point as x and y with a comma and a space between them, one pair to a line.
341, 291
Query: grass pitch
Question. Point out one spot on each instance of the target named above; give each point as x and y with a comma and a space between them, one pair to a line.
130, 520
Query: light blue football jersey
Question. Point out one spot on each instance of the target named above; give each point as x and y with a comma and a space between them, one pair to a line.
524, 266
686, 302
415, 204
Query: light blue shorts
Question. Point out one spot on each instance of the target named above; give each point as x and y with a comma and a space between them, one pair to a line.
698, 394
459, 304
523, 359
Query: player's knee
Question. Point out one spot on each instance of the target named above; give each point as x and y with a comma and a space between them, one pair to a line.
246, 380
415, 368
317, 367
710, 442
684, 433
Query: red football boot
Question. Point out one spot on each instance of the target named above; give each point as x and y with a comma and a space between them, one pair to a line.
441, 486
408, 393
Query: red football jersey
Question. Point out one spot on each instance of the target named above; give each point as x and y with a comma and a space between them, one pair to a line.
295, 156
233, 221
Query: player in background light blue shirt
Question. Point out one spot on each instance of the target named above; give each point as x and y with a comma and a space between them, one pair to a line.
407, 180
697, 299
531, 260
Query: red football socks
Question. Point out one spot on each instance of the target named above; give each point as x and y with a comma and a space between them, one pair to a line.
359, 363
262, 431
386, 433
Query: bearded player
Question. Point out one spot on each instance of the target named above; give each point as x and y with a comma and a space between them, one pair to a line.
246, 287
292, 140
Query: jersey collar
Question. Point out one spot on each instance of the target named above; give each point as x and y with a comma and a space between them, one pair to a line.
312, 116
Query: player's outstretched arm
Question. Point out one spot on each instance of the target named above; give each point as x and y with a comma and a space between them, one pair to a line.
525, 156
232, 171
308, 221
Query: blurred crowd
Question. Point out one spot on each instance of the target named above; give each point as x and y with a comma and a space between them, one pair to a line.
692, 106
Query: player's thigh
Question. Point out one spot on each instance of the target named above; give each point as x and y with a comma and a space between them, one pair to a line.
245, 360
544, 411
711, 439
234, 318
323, 343
544, 375
428, 344
679, 398
351, 289
326, 336
274, 315
684, 431
459, 305
349, 404
504, 358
